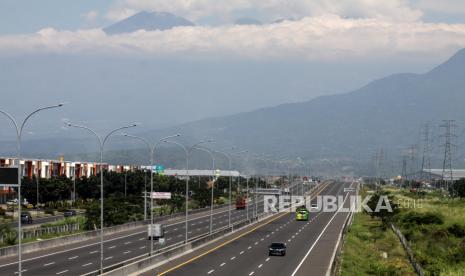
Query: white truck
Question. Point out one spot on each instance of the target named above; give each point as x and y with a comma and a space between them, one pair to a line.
155, 231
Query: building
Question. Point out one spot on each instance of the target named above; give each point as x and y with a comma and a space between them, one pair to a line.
436, 174
53, 168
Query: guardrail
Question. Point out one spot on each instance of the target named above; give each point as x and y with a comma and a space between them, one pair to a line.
416, 266
146, 262
79, 237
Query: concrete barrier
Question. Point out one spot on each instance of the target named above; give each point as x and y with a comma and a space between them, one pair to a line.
133, 267
75, 238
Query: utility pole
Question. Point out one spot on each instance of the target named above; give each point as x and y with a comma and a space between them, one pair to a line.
412, 159
426, 159
448, 127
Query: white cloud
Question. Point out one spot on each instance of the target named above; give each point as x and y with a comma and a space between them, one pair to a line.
326, 37
443, 6
270, 9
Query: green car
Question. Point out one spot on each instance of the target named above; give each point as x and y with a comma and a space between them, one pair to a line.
301, 214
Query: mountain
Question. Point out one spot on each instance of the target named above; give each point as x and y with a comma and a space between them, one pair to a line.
148, 21
247, 21
386, 113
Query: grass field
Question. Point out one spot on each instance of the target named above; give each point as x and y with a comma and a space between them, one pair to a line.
435, 230
370, 250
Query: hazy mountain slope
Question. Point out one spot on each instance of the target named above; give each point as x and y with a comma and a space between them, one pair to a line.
148, 21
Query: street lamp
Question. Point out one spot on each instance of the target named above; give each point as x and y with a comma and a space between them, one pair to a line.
247, 181
101, 147
230, 181
152, 148
187, 153
19, 132
213, 183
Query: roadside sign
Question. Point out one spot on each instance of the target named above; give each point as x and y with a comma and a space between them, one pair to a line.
9, 176
161, 241
161, 195
158, 169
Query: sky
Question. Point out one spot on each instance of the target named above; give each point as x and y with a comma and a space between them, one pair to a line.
55, 51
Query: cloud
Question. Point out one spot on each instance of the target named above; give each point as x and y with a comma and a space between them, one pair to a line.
327, 37
90, 16
445, 6
270, 9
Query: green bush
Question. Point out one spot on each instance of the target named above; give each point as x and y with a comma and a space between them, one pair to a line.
414, 218
2, 211
457, 230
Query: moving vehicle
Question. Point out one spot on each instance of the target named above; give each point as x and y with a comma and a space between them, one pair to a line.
69, 213
26, 217
277, 248
155, 231
301, 214
241, 203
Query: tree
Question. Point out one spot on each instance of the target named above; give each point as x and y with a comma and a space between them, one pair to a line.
383, 198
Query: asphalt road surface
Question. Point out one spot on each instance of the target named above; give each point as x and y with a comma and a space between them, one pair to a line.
81, 258
309, 247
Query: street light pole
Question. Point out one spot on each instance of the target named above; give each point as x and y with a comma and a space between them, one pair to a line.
101, 146
187, 153
213, 183
230, 181
152, 148
19, 132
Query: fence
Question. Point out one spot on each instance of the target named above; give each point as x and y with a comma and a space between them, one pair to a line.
42, 231
416, 266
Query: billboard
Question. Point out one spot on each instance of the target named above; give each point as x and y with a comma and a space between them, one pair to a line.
9, 176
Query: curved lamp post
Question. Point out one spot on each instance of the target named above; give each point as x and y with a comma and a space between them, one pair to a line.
101, 147
19, 133
152, 148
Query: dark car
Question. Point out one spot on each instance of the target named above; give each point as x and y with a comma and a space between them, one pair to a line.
277, 248
26, 217
69, 213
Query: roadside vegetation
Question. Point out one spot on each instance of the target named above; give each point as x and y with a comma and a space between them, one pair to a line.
433, 223
371, 248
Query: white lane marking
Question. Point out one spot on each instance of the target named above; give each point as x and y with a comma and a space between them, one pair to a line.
93, 252
142, 239
267, 259
256, 243
117, 238
111, 247
249, 247
233, 258
251, 273
126, 243
242, 252
49, 264
211, 271
168, 239
107, 258
260, 265
24, 270
72, 258
86, 264
179, 236
61, 272
222, 264
142, 247
318, 238
175, 229
127, 252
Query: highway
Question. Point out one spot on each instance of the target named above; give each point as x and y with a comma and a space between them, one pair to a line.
81, 258
248, 254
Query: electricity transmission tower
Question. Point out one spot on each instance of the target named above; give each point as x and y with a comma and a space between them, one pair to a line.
412, 157
426, 158
448, 127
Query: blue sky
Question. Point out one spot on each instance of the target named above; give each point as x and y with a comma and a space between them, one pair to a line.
25, 16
